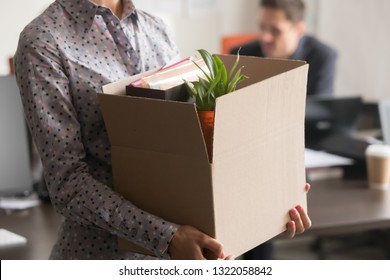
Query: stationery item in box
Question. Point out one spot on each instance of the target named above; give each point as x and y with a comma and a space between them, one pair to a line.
177, 93
167, 83
257, 174
173, 75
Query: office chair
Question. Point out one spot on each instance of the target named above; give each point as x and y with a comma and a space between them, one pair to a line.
230, 41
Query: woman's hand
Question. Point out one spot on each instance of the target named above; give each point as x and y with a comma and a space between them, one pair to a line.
188, 243
300, 221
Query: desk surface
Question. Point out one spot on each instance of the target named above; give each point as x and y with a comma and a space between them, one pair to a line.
344, 206
39, 225
335, 207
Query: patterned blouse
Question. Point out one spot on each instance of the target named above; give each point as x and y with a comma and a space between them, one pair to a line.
64, 57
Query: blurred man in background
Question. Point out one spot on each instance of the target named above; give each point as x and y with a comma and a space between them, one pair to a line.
282, 35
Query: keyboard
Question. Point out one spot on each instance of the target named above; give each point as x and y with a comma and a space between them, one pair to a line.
9, 239
346, 146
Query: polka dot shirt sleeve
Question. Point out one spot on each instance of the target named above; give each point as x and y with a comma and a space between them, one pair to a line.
78, 186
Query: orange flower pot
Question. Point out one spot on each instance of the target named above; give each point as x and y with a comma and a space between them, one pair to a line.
206, 119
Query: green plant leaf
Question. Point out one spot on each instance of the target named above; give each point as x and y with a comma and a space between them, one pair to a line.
215, 81
208, 59
200, 96
209, 78
222, 69
220, 89
235, 64
191, 91
238, 78
204, 83
218, 83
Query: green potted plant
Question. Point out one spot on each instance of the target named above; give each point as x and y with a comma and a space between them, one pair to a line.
218, 82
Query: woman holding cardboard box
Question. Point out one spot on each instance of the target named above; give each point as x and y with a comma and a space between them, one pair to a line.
64, 57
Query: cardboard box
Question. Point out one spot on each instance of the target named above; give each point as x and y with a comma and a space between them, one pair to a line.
242, 198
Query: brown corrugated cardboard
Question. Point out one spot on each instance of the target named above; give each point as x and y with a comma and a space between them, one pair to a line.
242, 198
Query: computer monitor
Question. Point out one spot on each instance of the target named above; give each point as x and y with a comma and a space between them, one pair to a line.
15, 171
330, 116
384, 113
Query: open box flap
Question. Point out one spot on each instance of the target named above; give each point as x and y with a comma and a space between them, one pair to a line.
153, 125
242, 116
258, 70
259, 133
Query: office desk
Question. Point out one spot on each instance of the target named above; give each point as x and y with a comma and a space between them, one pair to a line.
39, 225
345, 206
335, 207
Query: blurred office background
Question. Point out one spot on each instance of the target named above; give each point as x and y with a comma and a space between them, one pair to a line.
357, 29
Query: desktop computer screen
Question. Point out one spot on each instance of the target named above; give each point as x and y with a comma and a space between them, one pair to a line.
330, 124
15, 171
384, 111
328, 116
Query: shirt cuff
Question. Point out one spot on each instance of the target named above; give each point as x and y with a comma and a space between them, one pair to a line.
165, 239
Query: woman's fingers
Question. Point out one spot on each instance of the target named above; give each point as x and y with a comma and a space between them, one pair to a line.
291, 229
300, 218
304, 217
307, 187
295, 216
214, 249
300, 221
